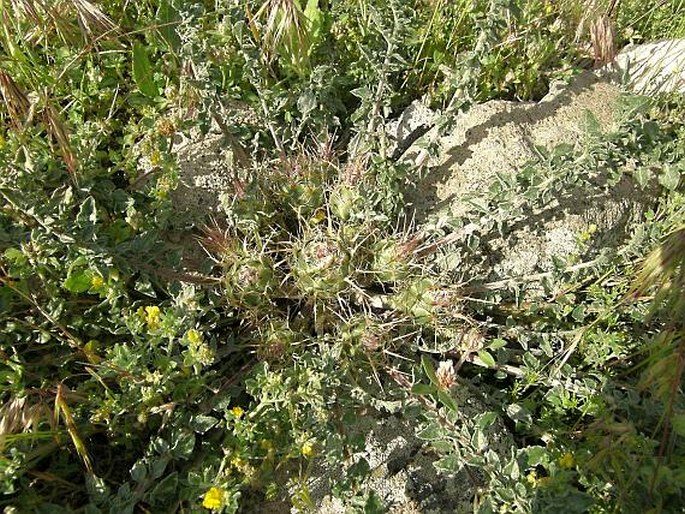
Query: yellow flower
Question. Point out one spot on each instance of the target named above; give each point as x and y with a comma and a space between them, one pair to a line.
213, 498
566, 460
96, 282
307, 449
238, 463
155, 158
152, 317
194, 337
237, 412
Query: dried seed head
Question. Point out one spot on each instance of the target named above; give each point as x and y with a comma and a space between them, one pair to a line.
16, 102
371, 341
603, 41
353, 171
92, 20
216, 240
58, 130
447, 377
165, 127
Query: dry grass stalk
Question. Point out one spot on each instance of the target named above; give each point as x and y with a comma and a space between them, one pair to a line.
58, 131
62, 410
49, 17
284, 23
17, 416
664, 268
92, 20
603, 41
15, 101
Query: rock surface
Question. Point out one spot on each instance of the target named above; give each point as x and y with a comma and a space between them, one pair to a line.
654, 67
496, 139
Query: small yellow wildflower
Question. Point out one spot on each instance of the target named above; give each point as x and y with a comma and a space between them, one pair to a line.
566, 460
238, 463
194, 337
243, 467
266, 444
155, 158
96, 281
237, 412
152, 317
536, 481
213, 498
307, 449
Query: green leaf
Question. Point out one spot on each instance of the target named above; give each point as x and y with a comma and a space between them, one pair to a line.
519, 414
374, 505
578, 313
183, 443
142, 72
166, 488
202, 423
678, 424
511, 469
432, 432
592, 124
486, 419
88, 213
15, 256
447, 400
451, 464
642, 176
487, 358
157, 466
160, 445
315, 19
670, 178
496, 344
537, 455
306, 103
423, 389
139, 471
429, 370
77, 282
168, 18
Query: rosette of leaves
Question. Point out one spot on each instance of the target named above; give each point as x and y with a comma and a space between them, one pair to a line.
391, 260
345, 202
253, 206
303, 197
298, 187
364, 334
251, 281
277, 340
422, 299
321, 264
